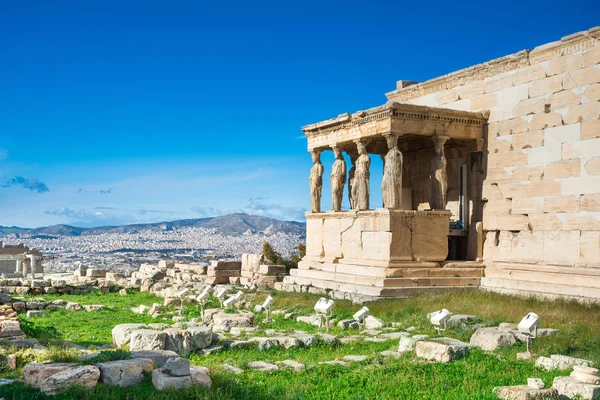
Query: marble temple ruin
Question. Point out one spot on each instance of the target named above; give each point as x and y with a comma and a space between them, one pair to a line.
491, 178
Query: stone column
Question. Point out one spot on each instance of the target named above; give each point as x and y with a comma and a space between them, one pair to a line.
316, 181
353, 156
438, 180
391, 185
360, 184
19, 268
338, 179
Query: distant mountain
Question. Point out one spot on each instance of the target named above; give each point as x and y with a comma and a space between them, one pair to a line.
233, 224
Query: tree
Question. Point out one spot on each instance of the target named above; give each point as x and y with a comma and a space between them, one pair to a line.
274, 258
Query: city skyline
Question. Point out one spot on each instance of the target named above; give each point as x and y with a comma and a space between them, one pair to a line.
105, 122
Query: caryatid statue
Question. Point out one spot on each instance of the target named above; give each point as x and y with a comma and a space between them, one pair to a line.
353, 156
360, 183
391, 185
338, 180
316, 181
438, 179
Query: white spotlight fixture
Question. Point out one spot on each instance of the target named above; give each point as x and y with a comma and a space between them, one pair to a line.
324, 308
267, 307
181, 294
438, 318
528, 327
220, 295
202, 299
361, 314
235, 299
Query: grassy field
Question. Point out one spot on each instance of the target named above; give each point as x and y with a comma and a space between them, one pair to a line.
376, 378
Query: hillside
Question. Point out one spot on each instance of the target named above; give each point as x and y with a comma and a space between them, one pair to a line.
233, 224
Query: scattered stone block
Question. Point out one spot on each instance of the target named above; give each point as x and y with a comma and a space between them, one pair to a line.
224, 322
86, 376
290, 315
394, 335
585, 375
177, 367
562, 363
124, 373
121, 334
296, 366
525, 393
71, 306
34, 313
34, 373
334, 362
232, 369
348, 324
163, 381
388, 353
93, 307
407, 343
158, 357
441, 352
355, 358
490, 339
372, 322
569, 388
123, 292
262, 366
200, 376
460, 319
310, 319
147, 339
306, 339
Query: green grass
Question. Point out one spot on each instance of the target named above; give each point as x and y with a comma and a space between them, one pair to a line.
376, 378
87, 328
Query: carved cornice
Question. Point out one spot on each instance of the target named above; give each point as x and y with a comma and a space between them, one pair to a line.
567, 45
395, 111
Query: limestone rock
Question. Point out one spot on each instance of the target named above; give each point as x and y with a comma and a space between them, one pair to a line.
262, 366
70, 306
200, 337
440, 352
372, 322
525, 393
177, 340
93, 307
86, 376
163, 381
147, 339
232, 369
491, 339
121, 334
407, 343
123, 292
34, 313
306, 339
460, 319
224, 322
310, 319
562, 363
124, 372
348, 324
200, 376
159, 357
34, 373
569, 388
177, 367
327, 338
355, 358
296, 366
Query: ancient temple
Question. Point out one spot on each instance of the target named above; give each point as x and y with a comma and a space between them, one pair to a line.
491, 178
19, 260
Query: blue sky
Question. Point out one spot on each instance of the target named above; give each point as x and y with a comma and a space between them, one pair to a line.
121, 112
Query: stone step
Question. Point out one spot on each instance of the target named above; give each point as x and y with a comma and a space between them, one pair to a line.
517, 286
388, 282
535, 275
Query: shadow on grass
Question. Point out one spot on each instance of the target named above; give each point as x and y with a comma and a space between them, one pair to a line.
45, 334
222, 389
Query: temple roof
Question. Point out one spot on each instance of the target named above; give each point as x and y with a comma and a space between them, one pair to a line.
405, 120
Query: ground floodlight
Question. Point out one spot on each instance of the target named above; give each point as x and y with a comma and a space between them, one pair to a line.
320, 303
438, 318
324, 308
236, 299
528, 327
361, 314
183, 292
220, 295
267, 307
202, 298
